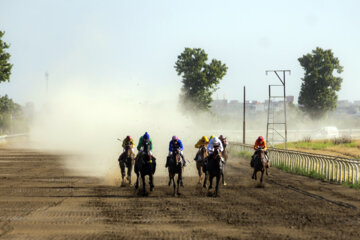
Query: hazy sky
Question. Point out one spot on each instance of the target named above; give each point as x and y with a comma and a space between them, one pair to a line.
107, 43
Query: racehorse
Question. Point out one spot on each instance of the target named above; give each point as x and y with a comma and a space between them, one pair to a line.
126, 160
214, 168
259, 163
175, 166
225, 155
200, 157
145, 165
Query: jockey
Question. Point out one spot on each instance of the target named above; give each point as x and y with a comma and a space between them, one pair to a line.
175, 144
203, 141
260, 143
223, 141
140, 147
128, 141
214, 142
142, 140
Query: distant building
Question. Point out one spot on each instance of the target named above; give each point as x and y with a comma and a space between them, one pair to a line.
290, 99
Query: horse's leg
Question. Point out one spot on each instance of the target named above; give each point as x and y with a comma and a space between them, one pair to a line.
178, 183
169, 179
143, 182
262, 174
205, 179
223, 175
217, 185
151, 180
122, 168
129, 171
211, 181
254, 174
137, 180
199, 171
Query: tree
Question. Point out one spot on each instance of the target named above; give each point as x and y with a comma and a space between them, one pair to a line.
200, 79
319, 85
10, 113
5, 66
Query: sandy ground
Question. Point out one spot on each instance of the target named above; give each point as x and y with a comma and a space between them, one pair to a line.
39, 199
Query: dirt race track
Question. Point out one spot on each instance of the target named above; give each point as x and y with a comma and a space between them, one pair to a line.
40, 200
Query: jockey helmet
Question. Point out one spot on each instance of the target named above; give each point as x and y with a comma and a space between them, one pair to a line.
205, 139
146, 135
175, 138
211, 137
260, 139
128, 138
221, 137
216, 141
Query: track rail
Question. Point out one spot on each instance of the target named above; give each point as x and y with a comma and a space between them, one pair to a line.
338, 169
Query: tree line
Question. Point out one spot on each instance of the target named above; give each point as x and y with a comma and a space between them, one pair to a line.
318, 93
200, 79
11, 113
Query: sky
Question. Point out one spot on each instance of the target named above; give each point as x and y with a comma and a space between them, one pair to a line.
135, 44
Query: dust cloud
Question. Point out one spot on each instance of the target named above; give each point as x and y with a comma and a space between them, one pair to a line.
84, 122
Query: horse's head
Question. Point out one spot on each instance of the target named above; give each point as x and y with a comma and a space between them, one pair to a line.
260, 154
176, 154
217, 152
203, 151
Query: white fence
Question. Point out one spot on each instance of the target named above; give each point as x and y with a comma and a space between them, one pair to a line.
332, 168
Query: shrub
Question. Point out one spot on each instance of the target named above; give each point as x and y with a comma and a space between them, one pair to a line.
307, 139
342, 140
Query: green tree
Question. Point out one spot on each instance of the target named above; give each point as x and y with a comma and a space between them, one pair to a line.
199, 78
10, 114
319, 85
5, 66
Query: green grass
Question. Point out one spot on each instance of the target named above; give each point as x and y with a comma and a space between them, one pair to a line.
350, 145
313, 174
301, 171
352, 185
316, 145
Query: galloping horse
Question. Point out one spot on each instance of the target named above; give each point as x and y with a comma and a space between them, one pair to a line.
225, 155
175, 166
126, 160
214, 168
201, 155
259, 163
145, 165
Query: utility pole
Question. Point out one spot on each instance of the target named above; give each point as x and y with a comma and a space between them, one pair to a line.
271, 123
244, 108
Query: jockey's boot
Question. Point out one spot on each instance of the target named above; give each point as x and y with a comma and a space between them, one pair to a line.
184, 162
196, 156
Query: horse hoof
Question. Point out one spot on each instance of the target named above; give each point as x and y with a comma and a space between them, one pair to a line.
204, 186
178, 193
224, 183
169, 183
210, 187
136, 186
